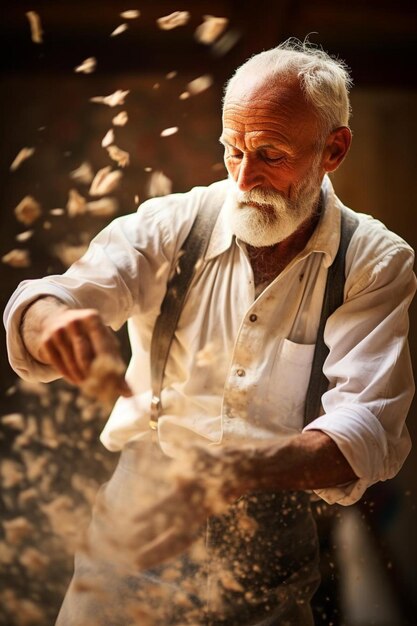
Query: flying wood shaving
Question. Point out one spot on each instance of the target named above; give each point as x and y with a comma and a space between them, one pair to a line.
64, 518
171, 75
121, 157
229, 581
210, 29
104, 379
17, 529
88, 66
83, 174
29, 435
17, 258
50, 436
131, 14
169, 131
120, 119
6, 554
28, 210
226, 42
35, 26
25, 236
200, 84
113, 100
69, 254
105, 181
33, 560
36, 465
184, 95
27, 496
105, 207
29, 614
173, 20
108, 138
11, 473
76, 204
119, 30
24, 154
57, 212
15, 420
159, 184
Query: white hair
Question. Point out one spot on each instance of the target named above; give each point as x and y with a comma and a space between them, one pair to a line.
324, 80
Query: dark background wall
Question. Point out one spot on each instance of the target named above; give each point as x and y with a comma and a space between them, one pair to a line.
46, 105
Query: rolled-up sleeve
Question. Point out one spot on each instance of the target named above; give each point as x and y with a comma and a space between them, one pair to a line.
370, 373
123, 272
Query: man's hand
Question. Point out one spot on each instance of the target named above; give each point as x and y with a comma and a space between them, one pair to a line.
70, 340
170, 523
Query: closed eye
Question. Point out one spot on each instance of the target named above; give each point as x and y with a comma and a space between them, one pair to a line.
233, 153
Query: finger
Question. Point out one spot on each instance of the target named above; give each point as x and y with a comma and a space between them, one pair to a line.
101, 337
50, 354
81, 347
167, 545
171, 503
63, 343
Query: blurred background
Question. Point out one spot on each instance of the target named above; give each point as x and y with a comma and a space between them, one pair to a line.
51, 460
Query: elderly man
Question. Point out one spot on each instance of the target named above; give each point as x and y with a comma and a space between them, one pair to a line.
238, 376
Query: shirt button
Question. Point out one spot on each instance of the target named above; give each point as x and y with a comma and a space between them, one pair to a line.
240, 372
253, 317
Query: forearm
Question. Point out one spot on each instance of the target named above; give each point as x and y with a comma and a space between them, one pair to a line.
310, 460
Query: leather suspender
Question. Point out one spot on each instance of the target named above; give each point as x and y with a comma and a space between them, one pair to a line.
333, 298
192, 251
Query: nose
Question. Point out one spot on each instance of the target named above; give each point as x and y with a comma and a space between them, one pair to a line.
247, 176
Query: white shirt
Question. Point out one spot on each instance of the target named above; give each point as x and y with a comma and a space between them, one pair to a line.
239, 366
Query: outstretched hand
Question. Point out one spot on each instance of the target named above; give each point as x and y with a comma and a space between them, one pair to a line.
71, 340
201, 486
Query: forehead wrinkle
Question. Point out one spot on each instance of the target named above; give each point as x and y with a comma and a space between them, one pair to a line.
261, 132
282, 117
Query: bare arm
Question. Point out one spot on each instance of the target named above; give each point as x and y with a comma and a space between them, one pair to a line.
68, 339
310, 460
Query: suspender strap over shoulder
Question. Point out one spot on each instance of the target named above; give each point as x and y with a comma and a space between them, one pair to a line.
333, 298
192, 251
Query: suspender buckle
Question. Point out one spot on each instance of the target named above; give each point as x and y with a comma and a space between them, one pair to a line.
155, 409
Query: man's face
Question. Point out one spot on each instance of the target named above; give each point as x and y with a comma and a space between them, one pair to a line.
273, 161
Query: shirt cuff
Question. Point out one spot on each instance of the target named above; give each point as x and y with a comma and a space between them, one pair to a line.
363, 442
20, 360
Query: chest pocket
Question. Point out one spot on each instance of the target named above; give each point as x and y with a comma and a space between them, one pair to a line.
289, 378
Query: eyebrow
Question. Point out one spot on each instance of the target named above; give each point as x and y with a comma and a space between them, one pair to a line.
265, 146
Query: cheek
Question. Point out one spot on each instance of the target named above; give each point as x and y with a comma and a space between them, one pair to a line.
282, 178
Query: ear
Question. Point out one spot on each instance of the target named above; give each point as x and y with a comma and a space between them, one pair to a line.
336, 148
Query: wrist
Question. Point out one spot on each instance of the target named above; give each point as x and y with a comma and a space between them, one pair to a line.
34, 319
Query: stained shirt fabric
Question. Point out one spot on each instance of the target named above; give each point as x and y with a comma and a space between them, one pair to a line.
239, 365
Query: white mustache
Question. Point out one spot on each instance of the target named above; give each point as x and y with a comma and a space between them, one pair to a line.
258, 196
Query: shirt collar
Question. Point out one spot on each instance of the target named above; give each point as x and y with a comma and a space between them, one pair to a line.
325, 238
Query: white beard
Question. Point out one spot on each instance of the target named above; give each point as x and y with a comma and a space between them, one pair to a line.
275, 217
